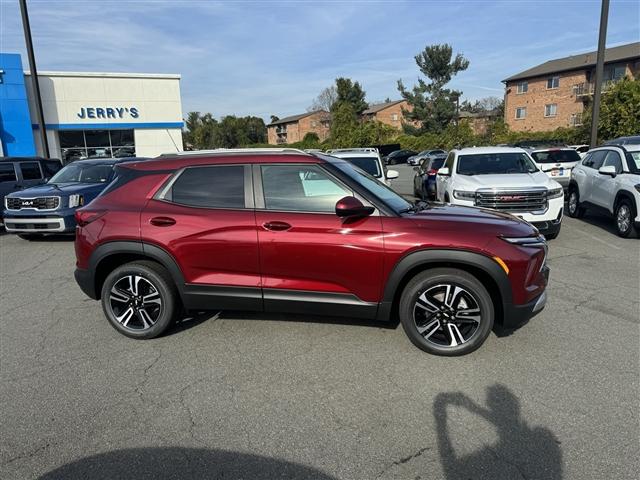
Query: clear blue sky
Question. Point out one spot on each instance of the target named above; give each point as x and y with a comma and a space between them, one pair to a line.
265, 58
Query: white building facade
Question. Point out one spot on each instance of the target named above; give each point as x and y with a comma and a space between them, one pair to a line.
96, 115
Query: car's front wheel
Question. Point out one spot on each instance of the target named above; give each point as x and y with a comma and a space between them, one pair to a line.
624, 218
446, 311
573, 208
139, 299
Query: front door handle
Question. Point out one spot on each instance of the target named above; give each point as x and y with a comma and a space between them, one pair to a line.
277, 226
162, 221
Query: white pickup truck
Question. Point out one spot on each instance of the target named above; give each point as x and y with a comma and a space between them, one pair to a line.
504, 179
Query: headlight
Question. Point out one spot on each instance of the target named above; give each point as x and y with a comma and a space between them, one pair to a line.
538, 241
464, 195
555, 193
75, 200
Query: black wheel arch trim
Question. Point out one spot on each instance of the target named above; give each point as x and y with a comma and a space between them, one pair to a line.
148, 250
426, 257
626, 195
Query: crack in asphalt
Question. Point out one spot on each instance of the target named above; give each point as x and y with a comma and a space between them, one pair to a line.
403, 460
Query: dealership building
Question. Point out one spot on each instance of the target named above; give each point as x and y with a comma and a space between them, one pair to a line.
89, 114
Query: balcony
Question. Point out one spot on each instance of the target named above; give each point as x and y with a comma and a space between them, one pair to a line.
586, 89
282, 129
281, 140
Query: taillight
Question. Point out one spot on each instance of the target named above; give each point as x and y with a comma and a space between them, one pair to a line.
84, 218
433, 171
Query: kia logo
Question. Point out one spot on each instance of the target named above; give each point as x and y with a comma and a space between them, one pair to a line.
27, 203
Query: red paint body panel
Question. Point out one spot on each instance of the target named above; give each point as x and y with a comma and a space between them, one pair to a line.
211, 246
322, 252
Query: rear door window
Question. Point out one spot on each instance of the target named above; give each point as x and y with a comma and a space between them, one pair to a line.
220, 186
8, 173
30, 170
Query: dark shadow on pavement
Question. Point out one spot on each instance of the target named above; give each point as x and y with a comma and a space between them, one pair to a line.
521, 452
305, 318
181, 463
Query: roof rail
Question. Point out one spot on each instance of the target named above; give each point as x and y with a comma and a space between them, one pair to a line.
236, 150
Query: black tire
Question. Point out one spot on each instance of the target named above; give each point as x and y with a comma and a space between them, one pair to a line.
574, 210
623, 218
553, 235
441, 339
150, 273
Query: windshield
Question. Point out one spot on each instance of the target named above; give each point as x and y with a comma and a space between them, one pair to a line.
556, 156
377, 188
633, 159
83, 173
495, 163
368, 164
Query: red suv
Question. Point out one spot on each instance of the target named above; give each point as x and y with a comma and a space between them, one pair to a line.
287, 231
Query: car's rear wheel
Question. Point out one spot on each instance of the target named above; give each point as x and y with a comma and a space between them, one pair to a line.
139, 299
624, 218
573, 208
446, 311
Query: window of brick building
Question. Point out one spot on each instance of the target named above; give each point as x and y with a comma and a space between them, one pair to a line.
553, 82
521, 112
394, 117
551, 110
523, 87
314, 123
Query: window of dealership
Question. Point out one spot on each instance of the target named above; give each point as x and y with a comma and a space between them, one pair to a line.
90, 114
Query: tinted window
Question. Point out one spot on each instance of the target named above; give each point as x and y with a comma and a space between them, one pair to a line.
594, 159
7, 173
449, 162
556, 156
633, 161
613, 159
495, 163
216, 187
30, 170
437, 163
303, 188
368, 164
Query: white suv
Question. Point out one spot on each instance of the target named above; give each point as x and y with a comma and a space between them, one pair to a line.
504, 179
367, 159
557, 163
608, 179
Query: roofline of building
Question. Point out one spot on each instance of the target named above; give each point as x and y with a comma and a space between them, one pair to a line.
386, 105
47, 73
296, 118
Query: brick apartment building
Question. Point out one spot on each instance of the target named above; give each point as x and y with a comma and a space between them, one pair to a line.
554, 94
480, 121
294, 128
389, 113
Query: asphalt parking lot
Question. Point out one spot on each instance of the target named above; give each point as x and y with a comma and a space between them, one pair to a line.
249, 396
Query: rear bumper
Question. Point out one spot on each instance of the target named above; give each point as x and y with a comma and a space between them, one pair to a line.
85, 281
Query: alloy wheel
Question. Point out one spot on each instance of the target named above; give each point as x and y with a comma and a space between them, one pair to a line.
135, 302
447, 315
623, 218
573, 202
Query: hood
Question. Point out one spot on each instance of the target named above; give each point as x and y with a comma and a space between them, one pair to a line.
508, 180
60, 190
471, 219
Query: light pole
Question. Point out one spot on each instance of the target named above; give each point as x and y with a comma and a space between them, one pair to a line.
602, 40
34, 78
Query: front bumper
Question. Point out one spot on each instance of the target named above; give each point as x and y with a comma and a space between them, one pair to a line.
63, 222
515, 315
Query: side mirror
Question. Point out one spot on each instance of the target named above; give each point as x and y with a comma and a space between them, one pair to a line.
608, 170
391, 174
444, 172
351, 207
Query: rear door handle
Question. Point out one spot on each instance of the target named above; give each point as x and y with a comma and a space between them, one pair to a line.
162, 221
277, 226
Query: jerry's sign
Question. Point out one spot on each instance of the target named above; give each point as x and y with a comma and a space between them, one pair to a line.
108, 112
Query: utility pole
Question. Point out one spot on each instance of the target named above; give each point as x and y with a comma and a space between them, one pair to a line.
34, 78
602, 40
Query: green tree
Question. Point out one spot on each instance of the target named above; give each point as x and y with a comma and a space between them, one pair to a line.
352, 93
343, 124
619, 111
433, 104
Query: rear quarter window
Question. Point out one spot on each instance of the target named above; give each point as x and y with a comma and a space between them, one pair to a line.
7, 172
